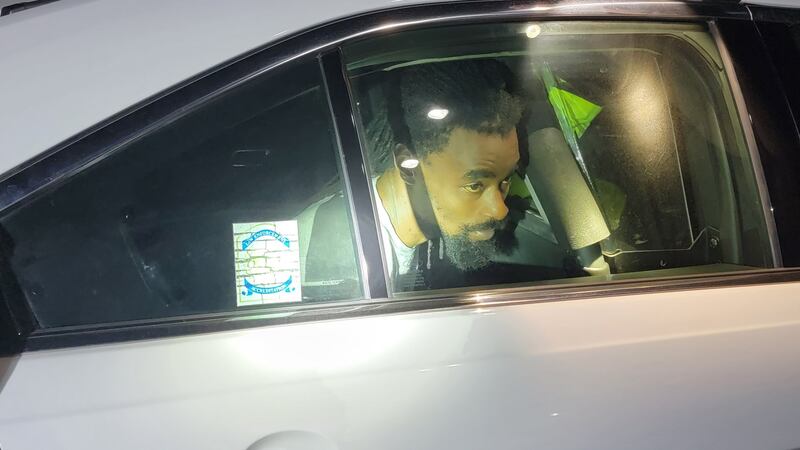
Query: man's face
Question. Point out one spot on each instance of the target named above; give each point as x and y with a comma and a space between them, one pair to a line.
468, 181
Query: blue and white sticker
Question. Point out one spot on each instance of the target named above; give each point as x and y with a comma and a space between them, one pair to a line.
267, 262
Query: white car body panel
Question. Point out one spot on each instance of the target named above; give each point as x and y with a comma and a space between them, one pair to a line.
710, 368
62, 65
714, 368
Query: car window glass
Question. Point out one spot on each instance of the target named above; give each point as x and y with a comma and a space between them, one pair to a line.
237, 204
528, 152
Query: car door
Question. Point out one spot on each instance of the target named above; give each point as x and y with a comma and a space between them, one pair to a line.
210, 271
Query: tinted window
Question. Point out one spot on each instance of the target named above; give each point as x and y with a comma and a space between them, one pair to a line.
218, 210
530, 152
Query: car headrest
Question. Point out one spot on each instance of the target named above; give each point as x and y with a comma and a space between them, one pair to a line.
566, 198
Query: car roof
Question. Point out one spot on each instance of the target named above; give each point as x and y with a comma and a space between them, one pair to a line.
71, 64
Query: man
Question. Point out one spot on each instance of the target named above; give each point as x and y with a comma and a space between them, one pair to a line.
445, 149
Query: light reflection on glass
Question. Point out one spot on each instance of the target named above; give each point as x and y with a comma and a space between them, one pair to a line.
409, 163
438, 113
533, 31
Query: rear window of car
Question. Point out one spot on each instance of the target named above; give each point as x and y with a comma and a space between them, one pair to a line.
218, 210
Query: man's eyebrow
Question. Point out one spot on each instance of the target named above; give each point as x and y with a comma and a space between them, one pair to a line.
477, 174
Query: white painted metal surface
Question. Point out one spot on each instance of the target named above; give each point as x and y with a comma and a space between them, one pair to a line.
67, 65
688, 370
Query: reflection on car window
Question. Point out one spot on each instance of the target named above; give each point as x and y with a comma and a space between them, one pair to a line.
219, 210
529, 152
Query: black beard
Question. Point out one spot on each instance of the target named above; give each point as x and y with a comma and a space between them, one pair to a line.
467, 254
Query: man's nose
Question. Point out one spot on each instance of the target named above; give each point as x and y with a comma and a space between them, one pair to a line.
495, 207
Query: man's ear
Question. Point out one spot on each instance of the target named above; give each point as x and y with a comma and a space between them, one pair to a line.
406, 163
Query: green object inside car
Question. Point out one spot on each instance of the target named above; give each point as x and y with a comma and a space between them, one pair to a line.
577, 111
517, 187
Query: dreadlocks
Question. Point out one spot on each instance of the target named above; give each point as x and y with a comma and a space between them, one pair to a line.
478, 94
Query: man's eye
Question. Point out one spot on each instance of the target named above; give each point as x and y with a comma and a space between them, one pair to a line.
473, 187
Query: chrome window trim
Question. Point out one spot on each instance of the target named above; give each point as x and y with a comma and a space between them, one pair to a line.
487, 298
752, 146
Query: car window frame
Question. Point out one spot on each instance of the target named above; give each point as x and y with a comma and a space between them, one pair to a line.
323, 42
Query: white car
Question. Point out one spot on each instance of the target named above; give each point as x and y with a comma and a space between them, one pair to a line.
387, 224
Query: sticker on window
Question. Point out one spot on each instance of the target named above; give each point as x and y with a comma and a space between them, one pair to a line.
267, 263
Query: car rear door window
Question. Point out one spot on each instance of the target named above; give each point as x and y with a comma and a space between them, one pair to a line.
220, 209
